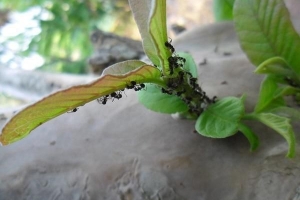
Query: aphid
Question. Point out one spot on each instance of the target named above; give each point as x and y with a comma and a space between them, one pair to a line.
73, 110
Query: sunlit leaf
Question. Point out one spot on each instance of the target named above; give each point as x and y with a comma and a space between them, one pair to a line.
221, 119
282, 126
250, 135
61, 102
265, 31
153, 99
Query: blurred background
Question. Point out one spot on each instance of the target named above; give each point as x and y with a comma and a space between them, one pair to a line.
67, 36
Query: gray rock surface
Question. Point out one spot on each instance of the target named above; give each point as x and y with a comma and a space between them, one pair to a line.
122, 151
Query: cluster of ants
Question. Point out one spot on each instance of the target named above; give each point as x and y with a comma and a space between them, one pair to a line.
117, 94
184, 85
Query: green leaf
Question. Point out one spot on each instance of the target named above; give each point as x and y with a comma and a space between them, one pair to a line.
265, 31
282, 126
158, 31
284, 111
250, 135
276, 66
61, 102
153, 99
221, 119
190, 64
223, 9
142, 12
286, 91
267, 99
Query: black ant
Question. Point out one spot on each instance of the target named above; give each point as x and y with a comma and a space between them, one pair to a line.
139, 87
133, 83
169, 46
73, 110
103, 100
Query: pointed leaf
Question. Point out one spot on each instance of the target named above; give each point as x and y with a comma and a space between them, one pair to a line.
265, 31
153, 99
266, 99
282, 126
60, 102
221, 119
250, 135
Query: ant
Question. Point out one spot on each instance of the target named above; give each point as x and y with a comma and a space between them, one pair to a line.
169, 46
139, 87
103, 99
73, 110
133, 83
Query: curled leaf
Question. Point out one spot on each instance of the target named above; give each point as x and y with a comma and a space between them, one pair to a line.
61, 102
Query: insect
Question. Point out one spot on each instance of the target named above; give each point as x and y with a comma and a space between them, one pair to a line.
131, 86
103, 100
169, 46
73, 110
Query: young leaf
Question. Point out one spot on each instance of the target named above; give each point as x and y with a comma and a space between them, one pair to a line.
153, 99
158, 32
265, 31
190, 64
276, 66
266, 99
142, 11
250, 135
60, 102
282, 126
223, 9
286, 91
284, 111
221, 119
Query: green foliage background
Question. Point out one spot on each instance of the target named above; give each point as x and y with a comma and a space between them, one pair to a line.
64, 38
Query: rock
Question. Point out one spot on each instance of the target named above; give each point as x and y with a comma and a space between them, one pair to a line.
110, 49
124, 151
